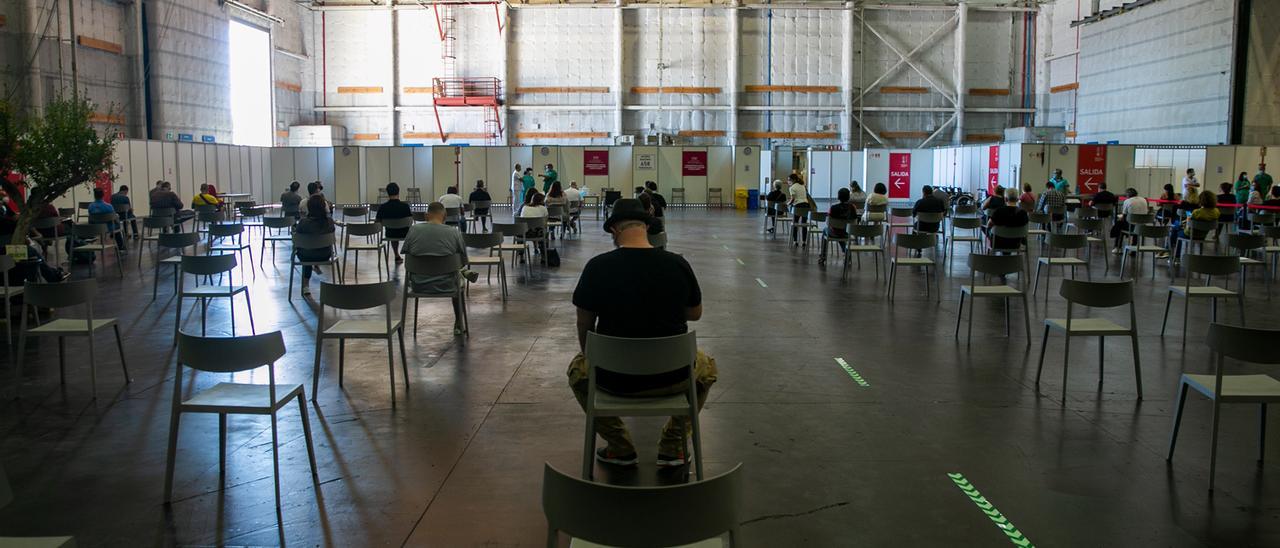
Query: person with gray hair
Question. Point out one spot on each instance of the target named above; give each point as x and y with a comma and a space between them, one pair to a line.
1009, 215
436, 239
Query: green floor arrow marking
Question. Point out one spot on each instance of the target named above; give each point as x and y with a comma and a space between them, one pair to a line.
1015, 536
740, 261
761, 282
726, 248
852, 373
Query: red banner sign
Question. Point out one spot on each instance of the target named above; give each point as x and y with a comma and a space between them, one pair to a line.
993, 169
1091, 168
595, 162
694, 163
899, 174
103, 181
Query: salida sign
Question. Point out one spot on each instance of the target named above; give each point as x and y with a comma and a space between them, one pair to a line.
993, 169
899, 174
1091, 168
595, 162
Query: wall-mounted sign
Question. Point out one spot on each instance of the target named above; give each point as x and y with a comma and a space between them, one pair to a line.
1091, 168
206, 139
644, 161
900, 175
595, 162
694, 163
168, 136
186, 137
993, 169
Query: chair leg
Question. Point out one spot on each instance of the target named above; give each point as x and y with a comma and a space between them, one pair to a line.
222, 448
231, 305
93, 369
1177, 420
248, 303
1066, 360
174, 419
1167, 302
1044, 345
62, 361
697, 438
315, 371
1213, 443
1026, 317
391, 367
275, 455
120, 348
589, 445
1262, 432
969, 334
342, 357
1137, 362
1102, 359
404, 359
959, 313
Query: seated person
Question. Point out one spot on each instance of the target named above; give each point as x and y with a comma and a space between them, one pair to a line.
1133, 205
1052, 200
163, 197
1027, 200
316, 221
1009, 214
1274, 199
1206, 210
208, 196
291, 201
100, 207
641, 292
481, 195
393, 208
35, 264
533, 210
1104, 196
120, 201
993, 201
573, 196
659, 201
928, 204
775, 197
452, 200
1228, 198
436, 239
876, 198
842, 210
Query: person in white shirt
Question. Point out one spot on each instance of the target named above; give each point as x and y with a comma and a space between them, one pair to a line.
517, 189
799, 205
571, 196
1133, 205
876, 198
536, 208
1190, 186
452, 200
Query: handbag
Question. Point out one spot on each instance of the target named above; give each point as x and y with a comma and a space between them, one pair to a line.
553, 258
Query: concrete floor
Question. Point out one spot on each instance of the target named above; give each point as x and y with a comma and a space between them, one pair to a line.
458, 460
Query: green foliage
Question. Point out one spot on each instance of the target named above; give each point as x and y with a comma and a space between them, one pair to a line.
54, 153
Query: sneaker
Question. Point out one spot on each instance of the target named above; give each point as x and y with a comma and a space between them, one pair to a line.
629, 459
471, 275
399, 259
306, 291
63, 275
317, 270
1117, 251
667, 461
1162, 255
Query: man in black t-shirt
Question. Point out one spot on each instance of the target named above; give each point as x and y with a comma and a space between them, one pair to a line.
637, 291
928, 204
393, 208
659, 201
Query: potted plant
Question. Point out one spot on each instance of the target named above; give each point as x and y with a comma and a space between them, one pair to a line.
53, 153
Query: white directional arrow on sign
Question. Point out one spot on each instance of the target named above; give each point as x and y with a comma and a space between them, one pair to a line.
898, 183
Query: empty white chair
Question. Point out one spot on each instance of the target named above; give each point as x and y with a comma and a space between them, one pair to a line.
65, 295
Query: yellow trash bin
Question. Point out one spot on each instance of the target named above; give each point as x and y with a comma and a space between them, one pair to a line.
740, 199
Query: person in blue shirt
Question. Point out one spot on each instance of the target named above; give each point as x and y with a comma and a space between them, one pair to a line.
1059, 183
99, 207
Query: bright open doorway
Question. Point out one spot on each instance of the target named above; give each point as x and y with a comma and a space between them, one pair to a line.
250, 85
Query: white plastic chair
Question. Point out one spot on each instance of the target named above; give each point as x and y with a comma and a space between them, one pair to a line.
359, 297
1093, 295
63, 295
1209, 266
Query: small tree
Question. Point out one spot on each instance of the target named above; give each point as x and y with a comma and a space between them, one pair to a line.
54, 153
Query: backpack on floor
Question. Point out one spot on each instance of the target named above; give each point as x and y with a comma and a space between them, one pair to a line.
553, 257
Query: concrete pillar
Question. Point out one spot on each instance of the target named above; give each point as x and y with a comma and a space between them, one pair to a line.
962, 23
735, 54
617, 91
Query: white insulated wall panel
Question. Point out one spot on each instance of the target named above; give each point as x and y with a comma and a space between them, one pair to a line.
201, 158
571, 162
565, 47
186, 166
189, 72
1160, 74
690, 43
358, 54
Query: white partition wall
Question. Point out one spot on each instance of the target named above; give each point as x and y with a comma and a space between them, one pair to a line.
497, 175
422, 171
645, 165
621, 170
819, 182
720, 171
347, 175
445, 162
746, 167
377, 172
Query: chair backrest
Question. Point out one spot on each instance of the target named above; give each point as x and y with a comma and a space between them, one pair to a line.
61, 295
899, 211
203, 208
837, 224
208, 215
277, 222
650, 356
1068, 241
45, 222
965, 209
1089, 225
927, 217
534, 222
67, 211
357, 296
122, 208
157, 222
1011, 232
1097, 294
313, 241
877, 208
230, 354
482, 241
204, 265
1140, 218
511, 229
402, 222
966, 223
1038, 217
354, 211
104, 218
817, 216
178, 240
452, 213
253, 211
995, 265
918, 240
555, 211
1246, 242
226, 229
88, 230
864, 231
432, 265
6, 264
364, 229
1153, 231
1242, 343
1263, 218
1272, 232
419, 216
658, 240
667, 515
1212, 265
1198, 230
481, 204
1086, 213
